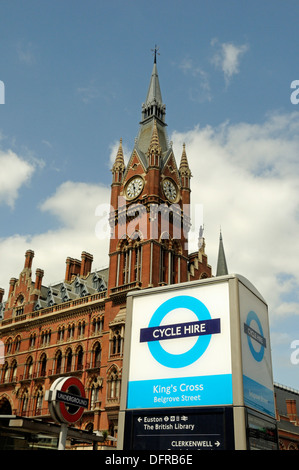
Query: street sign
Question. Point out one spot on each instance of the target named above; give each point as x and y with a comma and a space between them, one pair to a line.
71, 399
177, 429
67, 400
198, 345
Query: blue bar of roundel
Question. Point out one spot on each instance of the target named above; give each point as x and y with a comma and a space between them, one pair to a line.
186, 391
179, 330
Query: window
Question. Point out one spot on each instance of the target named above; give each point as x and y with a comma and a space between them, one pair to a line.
28, 368
45, 338
70, 332
69, 360
17, 344
94, 393
24, 402
81, 329
20, 306
8, 346
39, 401
97, 325
32, 340
113, 383
126, 262
58, 362
60, 334
43, 365
79, 365
4, 375
98, 283
13, 374
97, 355
116, 346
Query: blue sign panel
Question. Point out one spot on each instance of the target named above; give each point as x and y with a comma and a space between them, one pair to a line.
183, 391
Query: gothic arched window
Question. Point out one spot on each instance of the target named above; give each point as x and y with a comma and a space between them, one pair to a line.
113, 383
58, 362
97, 355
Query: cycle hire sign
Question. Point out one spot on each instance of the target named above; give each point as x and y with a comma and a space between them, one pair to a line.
180, 351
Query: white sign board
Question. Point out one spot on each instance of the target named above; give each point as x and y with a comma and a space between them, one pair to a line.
180, 352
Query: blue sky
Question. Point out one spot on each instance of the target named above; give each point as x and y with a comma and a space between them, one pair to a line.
76, 74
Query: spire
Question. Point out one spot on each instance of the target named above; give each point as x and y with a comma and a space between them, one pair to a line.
152, 110
221, 263
153, 106
119, 160
184, 165
154, 91
119, 164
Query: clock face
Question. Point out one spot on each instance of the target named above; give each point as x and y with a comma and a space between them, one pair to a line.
134, 187
170, 190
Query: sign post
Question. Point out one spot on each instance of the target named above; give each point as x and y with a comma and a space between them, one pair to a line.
66, 401
206, 347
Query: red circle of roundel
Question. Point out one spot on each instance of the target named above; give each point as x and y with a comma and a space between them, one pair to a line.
72, 418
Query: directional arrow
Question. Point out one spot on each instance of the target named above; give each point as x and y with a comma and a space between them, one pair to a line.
217, 443
139, 419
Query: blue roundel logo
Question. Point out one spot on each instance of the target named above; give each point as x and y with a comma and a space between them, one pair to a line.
254, 336
203, 315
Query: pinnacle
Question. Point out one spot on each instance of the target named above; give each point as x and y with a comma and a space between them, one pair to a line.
155, 143
119, 164
184, 165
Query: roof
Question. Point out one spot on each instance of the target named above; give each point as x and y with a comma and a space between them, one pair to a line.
283, 393
60, 292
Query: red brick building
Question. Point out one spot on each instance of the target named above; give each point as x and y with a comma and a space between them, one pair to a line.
287, 415
77, 327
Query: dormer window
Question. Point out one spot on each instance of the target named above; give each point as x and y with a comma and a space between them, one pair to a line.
98, 283
20, 306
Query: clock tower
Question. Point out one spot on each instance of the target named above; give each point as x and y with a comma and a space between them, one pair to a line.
150, 197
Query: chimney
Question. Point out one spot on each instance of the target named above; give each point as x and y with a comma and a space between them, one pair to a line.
12, 283
86, 262
1, 295
73, 267
29, 255
39, 274
68, 268
291, 410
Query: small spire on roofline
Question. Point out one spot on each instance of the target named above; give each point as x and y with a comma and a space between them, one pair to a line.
221, 262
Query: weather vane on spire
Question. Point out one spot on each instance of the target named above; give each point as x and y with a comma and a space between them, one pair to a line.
155, 52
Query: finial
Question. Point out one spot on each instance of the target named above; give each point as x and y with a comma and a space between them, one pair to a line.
155, 51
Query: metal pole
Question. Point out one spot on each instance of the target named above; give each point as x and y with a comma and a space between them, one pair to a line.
62, 437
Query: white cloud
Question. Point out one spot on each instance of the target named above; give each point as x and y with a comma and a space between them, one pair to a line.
15, 172
74, 205
200, 90
88, 93
227, 58
246, 176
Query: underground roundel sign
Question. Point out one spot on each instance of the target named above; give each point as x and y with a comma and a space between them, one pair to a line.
67, 400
